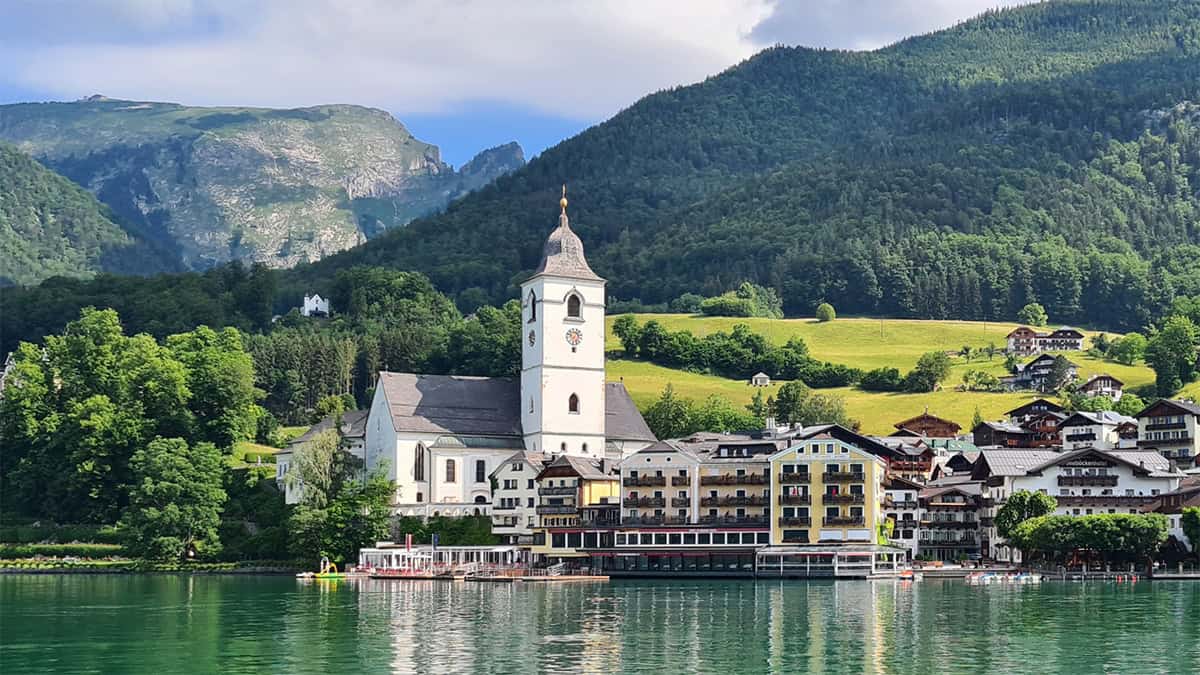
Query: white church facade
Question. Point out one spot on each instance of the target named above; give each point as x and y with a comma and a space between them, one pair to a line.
442, 436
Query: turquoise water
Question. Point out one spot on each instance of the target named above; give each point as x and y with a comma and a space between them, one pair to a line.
224, 624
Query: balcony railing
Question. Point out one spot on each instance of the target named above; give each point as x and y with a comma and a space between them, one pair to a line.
1076, 438
681, 481
734, 501
502, 507
557, 509
1107, 481
681, 502
558, 491
795, 522
844, 498
645, 501
1169, 442
755, 521
735, 479
950, 524
653, 521
794, 478
794, 500
843, 521
1165, 426
1093, 500
903, 465
842, 476
644, 481
907, 504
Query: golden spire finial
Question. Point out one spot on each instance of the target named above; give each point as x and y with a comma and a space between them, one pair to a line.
563, 202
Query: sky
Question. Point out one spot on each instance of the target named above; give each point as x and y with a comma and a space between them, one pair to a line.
463, 74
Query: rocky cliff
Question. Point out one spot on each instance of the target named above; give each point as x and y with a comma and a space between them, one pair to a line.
273, 186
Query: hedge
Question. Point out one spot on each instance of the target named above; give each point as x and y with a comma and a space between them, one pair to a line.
59, 534
14, 551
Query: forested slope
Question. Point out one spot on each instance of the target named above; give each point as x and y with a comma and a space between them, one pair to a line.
940, 163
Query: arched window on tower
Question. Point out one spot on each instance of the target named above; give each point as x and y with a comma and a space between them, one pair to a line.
573, 306
532, 307
573, 404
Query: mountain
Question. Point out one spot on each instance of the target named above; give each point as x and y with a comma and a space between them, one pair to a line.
272, 186
50, 226
1045, 152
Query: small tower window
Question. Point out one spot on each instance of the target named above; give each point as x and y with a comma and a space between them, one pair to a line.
564, 447
573, 306
573, 404
532, 307
450, 471
530, 405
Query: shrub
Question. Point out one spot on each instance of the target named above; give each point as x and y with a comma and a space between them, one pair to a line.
1033, 314
59, 534
825, 312
882, 379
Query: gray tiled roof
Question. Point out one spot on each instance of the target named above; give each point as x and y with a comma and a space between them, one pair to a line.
354, 425
563, 254
487, 406
1016, 462
586, 467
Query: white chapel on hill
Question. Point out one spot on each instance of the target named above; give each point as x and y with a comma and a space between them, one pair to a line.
442, 436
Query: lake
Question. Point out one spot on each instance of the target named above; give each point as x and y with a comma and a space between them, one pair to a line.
233, 624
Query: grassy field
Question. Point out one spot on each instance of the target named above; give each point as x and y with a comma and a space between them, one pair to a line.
858, 343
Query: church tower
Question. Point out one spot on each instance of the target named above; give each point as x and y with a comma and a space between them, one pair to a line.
562, 349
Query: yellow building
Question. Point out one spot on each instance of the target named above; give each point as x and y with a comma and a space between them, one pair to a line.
574, 494
828, 490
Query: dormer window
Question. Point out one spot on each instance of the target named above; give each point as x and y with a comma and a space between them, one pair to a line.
574, 306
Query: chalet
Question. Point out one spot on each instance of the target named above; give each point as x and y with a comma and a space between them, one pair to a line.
1097, 430
949, 520
1103, 385
1001, 435
760, 380
1034, 408
961, 462
1172, 428
902, 508
1171, 504
929, 426
1025, 341
1037, 373
569, 487
1083, 482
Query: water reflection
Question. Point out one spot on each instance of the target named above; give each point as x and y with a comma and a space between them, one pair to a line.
52, 624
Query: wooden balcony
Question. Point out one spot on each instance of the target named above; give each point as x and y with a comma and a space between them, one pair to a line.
644, 481
734, 479
645, 501
747, 521
556, 510
558, 491
653, 521
502, 507
844, 521
1104, 500
795, 478
1106, 481
681, 502
681, 481
844, 498
950, 524
795, 522
842, 477
757, 500
795, 500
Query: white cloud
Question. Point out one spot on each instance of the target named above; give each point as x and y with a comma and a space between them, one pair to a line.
580, 60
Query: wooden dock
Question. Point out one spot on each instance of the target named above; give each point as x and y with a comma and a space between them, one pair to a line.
563, 578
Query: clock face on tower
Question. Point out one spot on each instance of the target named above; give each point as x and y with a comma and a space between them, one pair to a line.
532, 338
574, 336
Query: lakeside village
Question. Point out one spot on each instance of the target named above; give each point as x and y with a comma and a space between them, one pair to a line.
574, 481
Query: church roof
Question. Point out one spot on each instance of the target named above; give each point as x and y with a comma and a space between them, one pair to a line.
563, 256
487, 406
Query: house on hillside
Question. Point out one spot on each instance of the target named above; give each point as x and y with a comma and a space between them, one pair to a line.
353, 432
1098, 430
760, 379
1036, 374
1025, 341
1001, 435
929, 426
1028, 411
1171, 428
314, 305
1103, 385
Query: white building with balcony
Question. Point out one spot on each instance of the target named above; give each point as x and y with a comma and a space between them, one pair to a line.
1171, 428
1098, 430
515, 496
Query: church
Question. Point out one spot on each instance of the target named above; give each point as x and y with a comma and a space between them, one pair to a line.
440, 437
